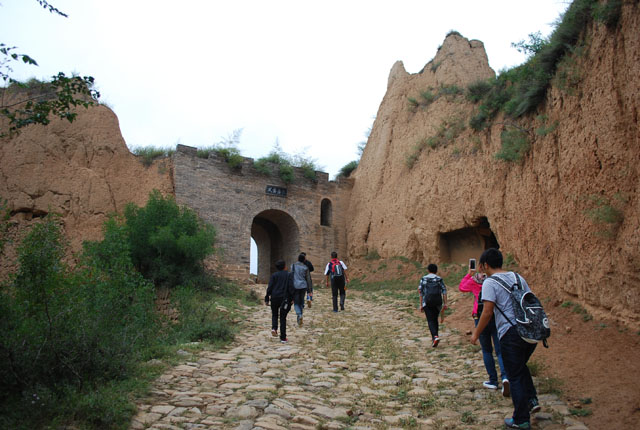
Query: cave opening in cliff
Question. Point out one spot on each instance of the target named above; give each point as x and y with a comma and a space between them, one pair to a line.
458, 246
277, 237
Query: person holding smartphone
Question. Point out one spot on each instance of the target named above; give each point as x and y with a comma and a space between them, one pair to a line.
472, 283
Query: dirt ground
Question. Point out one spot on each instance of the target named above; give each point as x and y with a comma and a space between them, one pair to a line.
596, 360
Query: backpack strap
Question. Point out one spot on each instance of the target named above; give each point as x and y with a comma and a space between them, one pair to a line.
509, 290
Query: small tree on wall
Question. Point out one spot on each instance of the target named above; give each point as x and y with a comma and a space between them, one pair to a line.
58, 97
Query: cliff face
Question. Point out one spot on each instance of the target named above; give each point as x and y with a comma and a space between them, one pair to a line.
82, 171
568, 213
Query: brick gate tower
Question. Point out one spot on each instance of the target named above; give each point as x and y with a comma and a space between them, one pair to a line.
282, 218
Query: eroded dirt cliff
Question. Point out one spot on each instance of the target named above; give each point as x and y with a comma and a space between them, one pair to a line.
550, 211
82, 171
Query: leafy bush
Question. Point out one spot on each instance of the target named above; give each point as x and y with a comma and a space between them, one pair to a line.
286, 173
427, 96
66, 331
372, 255
608, 12
515, 145
168, 243
347, 169
285, 165
199, 320
477, 90
149, 154
450, 90
227, 148
447, 132
603, 212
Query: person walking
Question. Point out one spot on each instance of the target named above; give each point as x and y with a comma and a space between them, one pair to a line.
515, 350
472, 283
280, 296
433, 300
301, 285
336, 271
310, 266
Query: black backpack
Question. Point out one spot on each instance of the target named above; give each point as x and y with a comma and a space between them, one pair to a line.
431, 289
531, 320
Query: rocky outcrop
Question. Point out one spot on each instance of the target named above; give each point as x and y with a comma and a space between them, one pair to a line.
82, 171
548, 211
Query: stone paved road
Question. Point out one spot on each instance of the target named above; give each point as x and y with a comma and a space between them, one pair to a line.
369, 367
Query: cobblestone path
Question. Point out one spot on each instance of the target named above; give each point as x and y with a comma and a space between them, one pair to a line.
369, 367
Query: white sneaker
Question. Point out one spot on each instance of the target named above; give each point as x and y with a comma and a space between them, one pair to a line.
489, 385
506, 391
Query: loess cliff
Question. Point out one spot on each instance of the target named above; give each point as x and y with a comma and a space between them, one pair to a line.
430, 188
81, 171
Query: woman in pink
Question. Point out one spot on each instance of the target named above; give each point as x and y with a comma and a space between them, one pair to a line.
472, 283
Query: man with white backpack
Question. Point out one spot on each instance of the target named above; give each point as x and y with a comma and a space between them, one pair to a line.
497, 291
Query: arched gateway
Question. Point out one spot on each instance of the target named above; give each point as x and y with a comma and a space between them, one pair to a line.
282, 218
277, 237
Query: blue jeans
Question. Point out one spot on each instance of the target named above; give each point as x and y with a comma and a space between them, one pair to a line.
516, 353
490, 332
298, 300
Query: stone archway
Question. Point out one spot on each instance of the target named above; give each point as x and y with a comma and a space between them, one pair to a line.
277, 236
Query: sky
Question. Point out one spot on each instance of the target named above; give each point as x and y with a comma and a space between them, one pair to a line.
309, 75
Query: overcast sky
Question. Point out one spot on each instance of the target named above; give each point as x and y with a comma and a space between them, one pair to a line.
310, 74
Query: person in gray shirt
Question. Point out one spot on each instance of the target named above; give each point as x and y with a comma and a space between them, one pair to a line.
515, 350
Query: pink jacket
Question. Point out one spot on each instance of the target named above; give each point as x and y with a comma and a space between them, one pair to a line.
468, 285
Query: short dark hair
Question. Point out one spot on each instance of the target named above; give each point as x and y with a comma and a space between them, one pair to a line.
303, 253
334, 254
432, 268
280, 264
492, 257
301, 257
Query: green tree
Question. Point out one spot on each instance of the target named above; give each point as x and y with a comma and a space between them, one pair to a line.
22, 107
168, 242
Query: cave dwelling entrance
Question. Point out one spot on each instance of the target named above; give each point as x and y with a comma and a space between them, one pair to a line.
458, 246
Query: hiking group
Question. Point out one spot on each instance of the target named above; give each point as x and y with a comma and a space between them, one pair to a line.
509, 320
286, 289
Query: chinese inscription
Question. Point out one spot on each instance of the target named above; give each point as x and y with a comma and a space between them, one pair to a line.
272, 190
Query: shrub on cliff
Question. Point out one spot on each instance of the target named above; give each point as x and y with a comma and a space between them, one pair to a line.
520, 90
168, 243
347, 169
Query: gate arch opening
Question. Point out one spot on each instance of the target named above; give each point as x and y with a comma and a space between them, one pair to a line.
277, 237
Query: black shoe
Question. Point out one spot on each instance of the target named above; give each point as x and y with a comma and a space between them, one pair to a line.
534, 406
341, 307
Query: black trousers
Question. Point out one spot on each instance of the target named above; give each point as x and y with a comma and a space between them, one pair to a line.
279, 312
515, 354
432, 313
335, 289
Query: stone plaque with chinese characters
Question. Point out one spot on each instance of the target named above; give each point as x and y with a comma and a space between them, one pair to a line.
272, 190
